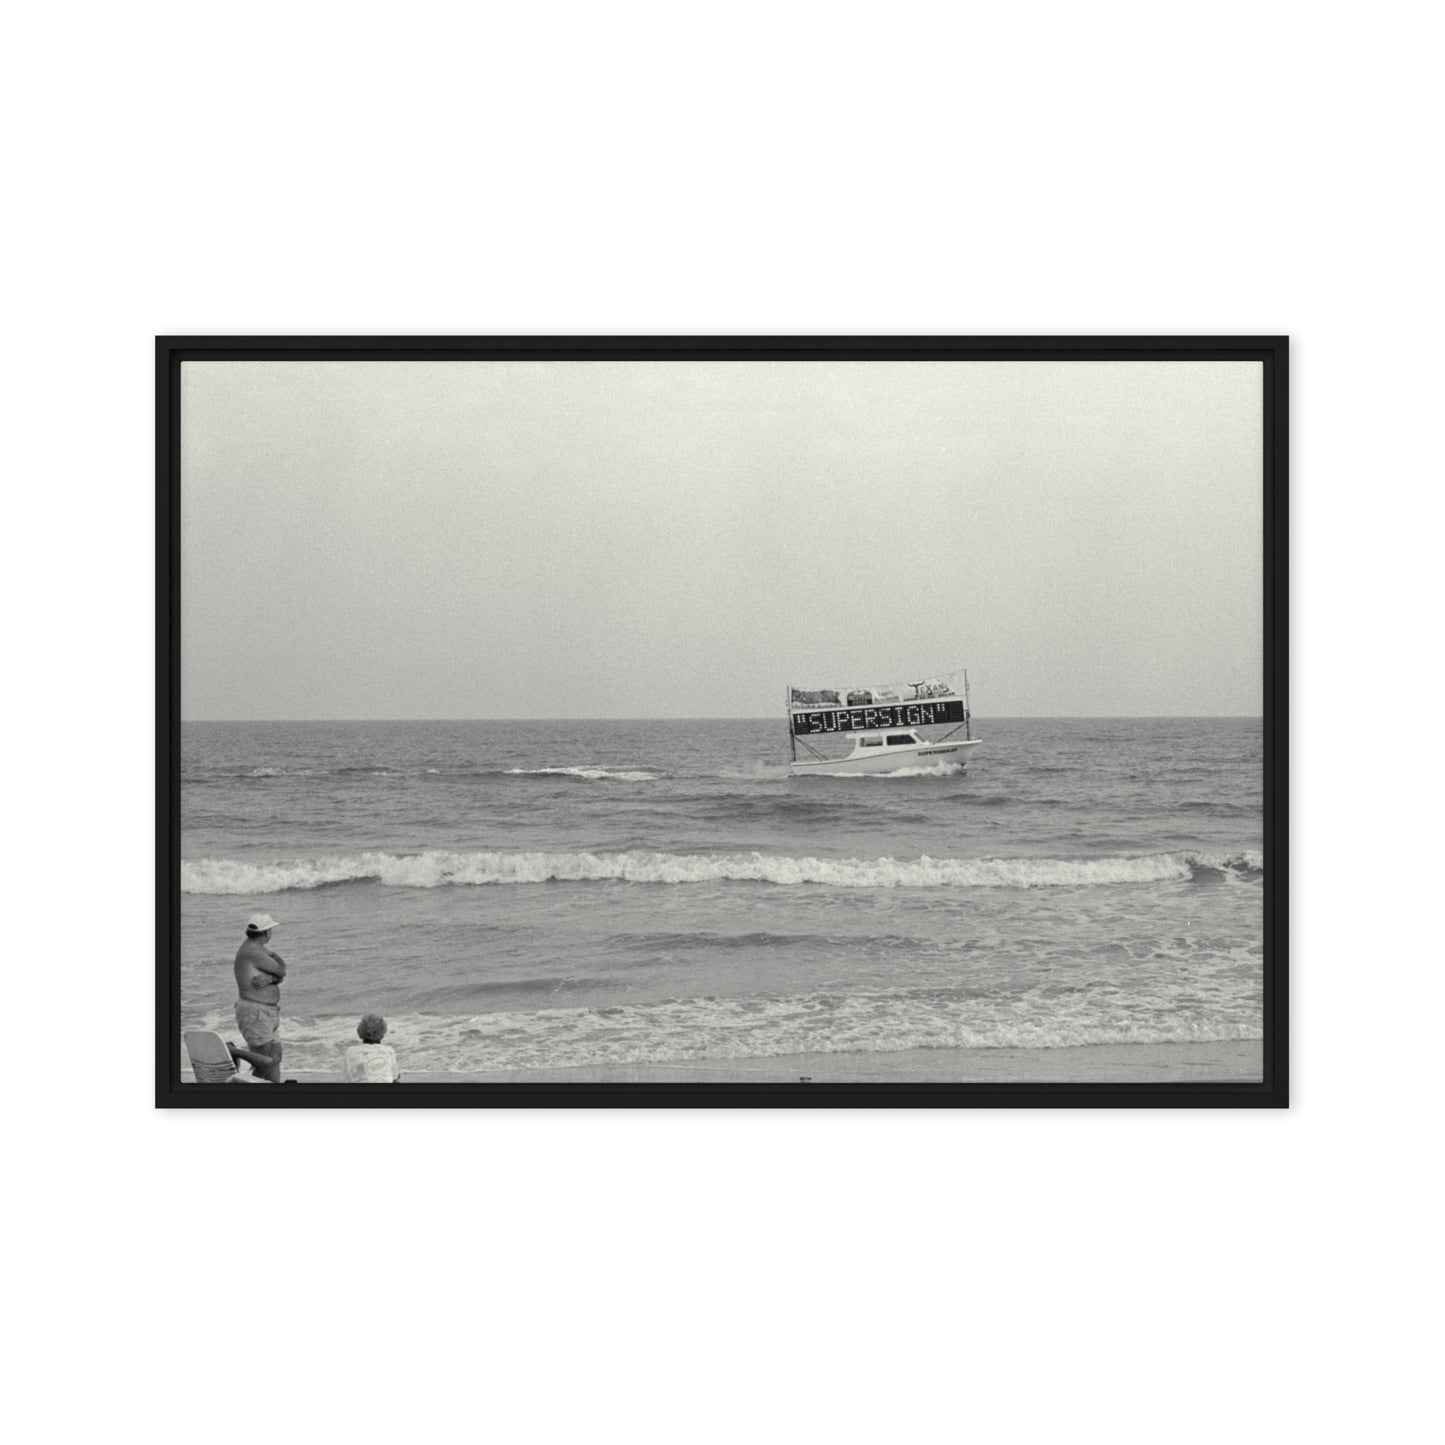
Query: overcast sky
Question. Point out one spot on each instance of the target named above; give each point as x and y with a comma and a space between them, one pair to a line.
683, 539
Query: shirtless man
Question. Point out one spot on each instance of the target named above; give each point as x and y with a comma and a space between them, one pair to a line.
258, 985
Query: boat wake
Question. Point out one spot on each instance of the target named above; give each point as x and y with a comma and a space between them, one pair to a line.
934, 770
621, 775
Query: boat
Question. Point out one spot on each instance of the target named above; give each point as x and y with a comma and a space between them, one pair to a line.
883, 725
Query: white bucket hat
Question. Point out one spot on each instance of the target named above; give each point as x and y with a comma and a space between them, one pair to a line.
261, 923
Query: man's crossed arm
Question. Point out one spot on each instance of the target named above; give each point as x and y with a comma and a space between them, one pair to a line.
271, 963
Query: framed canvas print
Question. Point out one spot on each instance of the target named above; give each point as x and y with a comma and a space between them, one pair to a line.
721, 721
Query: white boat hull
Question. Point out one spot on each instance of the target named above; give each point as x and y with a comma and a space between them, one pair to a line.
890, 760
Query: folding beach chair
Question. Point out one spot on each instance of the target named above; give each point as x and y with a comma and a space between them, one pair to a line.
211, 1060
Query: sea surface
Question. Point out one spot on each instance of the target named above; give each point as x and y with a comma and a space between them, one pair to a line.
524, 895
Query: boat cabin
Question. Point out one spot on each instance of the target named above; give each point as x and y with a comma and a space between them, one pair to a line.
891, 740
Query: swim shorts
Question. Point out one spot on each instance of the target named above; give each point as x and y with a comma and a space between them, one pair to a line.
258, 1022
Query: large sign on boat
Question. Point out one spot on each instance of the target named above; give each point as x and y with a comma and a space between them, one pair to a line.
870, 719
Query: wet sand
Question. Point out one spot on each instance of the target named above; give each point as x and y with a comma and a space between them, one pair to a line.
1236, 1061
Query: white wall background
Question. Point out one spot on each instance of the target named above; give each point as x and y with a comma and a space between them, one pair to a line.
748, 168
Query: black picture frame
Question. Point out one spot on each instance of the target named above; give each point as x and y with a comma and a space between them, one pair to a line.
1272, 1091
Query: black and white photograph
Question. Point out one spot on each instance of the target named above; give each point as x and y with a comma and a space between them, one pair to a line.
877, 716
780, 660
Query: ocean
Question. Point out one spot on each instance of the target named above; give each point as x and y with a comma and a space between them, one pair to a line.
541, 895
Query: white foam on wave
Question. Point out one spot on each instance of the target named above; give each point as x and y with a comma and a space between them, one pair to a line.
757, 771
434, 869
1251, 859
592, 774
696, 1030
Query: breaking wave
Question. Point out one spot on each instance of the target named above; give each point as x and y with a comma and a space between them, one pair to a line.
435, 869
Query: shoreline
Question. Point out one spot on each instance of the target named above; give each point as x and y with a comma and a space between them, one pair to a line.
1226, 1061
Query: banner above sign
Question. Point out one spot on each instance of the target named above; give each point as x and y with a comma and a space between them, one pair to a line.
900, 692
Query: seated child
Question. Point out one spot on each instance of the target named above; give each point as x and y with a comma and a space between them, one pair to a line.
371, 1061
